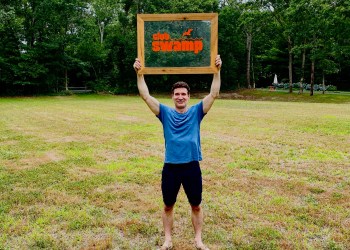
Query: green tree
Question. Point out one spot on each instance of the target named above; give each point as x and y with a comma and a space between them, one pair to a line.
10, 27
231, 47
49, 45
251, 21
280, 11
318, 37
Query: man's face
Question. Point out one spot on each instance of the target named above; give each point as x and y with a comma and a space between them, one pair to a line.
180, 98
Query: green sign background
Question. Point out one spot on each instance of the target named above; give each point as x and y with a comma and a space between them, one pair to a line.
201, 29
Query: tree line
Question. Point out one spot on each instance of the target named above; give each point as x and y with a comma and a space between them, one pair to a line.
47, 46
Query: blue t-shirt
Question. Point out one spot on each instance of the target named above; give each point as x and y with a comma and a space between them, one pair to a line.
182, 133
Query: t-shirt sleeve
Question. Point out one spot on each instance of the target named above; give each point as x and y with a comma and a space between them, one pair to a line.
200, 111
160, 116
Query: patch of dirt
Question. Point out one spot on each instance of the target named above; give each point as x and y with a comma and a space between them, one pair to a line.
35, 160
128, 118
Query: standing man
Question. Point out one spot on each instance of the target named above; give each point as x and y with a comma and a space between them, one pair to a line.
181, 127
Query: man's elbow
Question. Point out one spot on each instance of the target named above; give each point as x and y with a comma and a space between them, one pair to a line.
146, 98
215, 94
144, 95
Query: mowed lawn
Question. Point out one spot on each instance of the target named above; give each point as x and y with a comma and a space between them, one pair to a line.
83, 172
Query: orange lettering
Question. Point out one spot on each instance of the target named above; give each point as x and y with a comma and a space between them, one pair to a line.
198, 46
163, 42
177, 46
155, 46
156, 36
187, 45
166, 46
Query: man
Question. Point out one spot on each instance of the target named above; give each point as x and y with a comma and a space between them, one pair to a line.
181, 126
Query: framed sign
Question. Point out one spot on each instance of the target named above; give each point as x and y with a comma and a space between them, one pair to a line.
177, 43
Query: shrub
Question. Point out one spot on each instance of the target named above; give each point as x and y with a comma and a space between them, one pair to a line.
331, 88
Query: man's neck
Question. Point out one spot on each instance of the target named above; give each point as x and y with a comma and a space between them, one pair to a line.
181, 111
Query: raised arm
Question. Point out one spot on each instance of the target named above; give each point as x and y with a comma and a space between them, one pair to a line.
151, 102
215, 87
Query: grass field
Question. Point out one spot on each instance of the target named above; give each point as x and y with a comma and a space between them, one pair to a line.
83, 172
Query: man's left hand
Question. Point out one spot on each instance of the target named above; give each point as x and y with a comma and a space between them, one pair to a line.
218, 61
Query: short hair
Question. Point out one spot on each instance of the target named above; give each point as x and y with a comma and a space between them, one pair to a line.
180, 85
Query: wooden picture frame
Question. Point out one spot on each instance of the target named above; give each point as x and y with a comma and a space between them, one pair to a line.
184, 43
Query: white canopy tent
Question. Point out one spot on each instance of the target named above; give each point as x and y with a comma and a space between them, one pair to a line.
275, 80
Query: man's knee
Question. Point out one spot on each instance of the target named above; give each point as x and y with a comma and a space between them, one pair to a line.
196, 209
168, 209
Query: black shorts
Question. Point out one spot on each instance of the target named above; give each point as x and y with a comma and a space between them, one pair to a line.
187, 174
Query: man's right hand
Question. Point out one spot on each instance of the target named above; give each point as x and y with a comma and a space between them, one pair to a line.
137, 65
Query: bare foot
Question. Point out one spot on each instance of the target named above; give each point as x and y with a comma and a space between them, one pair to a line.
201, 246
167, 246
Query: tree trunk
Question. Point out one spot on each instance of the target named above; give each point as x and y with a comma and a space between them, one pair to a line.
290, 69
253, 75
323, 83
302, 72
248, 48
101, 27
312, 77
66, 79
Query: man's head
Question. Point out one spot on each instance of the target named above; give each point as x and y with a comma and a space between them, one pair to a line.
180, 95
180, 85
